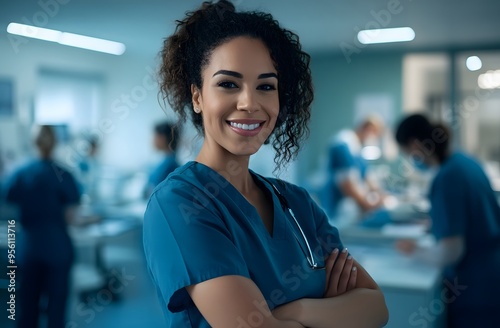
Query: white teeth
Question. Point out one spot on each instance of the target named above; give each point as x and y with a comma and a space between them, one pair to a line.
248, 127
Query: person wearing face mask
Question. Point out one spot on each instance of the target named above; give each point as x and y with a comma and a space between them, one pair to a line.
465, 217
225, 246
349, 195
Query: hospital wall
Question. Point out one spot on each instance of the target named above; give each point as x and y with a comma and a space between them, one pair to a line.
126, 124
339, 85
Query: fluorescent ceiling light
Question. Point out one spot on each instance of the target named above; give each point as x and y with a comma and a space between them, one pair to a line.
489, 80
34, 32
371, 153
68, 39
473, 63
386, 35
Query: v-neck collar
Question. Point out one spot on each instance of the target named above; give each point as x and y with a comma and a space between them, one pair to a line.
278, 213
279, 222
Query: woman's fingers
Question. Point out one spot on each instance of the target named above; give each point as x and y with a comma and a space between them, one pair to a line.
352, 279
329, 266
345, 275
335, 273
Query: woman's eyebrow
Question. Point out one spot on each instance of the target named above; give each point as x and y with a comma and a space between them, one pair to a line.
240, 76
267, 75
230, 73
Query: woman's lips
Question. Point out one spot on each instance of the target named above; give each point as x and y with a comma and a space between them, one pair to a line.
246, 128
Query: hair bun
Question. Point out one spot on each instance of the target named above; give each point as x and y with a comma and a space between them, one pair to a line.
220, 7
225, 5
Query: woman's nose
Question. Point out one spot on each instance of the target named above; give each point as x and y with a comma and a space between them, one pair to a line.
247, 101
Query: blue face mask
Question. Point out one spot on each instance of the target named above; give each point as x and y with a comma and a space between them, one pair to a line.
418, 163
421, 166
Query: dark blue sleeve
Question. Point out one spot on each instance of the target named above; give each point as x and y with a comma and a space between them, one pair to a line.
186, 243
12, 189
448, 212
70, 192
327, 234
340, 157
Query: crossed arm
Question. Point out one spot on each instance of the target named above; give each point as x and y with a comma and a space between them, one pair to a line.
352, 299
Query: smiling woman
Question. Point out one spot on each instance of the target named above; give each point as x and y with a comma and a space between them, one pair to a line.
225, 246
238, 100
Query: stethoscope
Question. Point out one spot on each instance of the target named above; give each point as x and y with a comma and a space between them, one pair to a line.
286, 208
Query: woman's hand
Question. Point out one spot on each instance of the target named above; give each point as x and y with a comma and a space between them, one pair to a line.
340, 273
406, 246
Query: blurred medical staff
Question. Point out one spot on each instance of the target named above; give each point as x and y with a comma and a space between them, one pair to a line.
348, 193
166, 139
46, 195
88, 169
465, 221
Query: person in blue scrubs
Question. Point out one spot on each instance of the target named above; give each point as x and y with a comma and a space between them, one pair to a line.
225, 246
166, 139
348, 195
46, 195
88, 170
465, 221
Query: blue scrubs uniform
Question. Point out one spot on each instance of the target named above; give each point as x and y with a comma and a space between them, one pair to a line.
42, 190
464, 204
197, 227
344, 162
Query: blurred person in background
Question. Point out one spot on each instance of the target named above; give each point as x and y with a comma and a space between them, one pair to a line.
166, 139
465, 222
348, 194
88, 169
46, 195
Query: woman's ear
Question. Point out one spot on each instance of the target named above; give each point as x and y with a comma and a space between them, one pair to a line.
196, 96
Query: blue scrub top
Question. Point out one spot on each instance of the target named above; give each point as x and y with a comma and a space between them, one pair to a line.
197, 227
42, 189
464, 204
342, 162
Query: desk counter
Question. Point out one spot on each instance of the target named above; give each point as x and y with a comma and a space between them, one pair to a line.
412, 289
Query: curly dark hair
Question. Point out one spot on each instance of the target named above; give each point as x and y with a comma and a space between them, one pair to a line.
187, 52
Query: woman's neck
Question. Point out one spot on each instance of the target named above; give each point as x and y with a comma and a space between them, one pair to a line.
233, 168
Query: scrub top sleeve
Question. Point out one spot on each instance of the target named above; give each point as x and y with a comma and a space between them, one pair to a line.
342, 163
341, 157
12, 191
185, 244
448, 212
70, 193
328, 235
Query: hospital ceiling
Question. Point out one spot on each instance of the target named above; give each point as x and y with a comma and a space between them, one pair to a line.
323, 26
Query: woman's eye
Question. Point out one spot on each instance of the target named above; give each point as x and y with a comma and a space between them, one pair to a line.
266, 87
227, 85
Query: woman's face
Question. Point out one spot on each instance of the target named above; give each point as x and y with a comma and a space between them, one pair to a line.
239, 97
